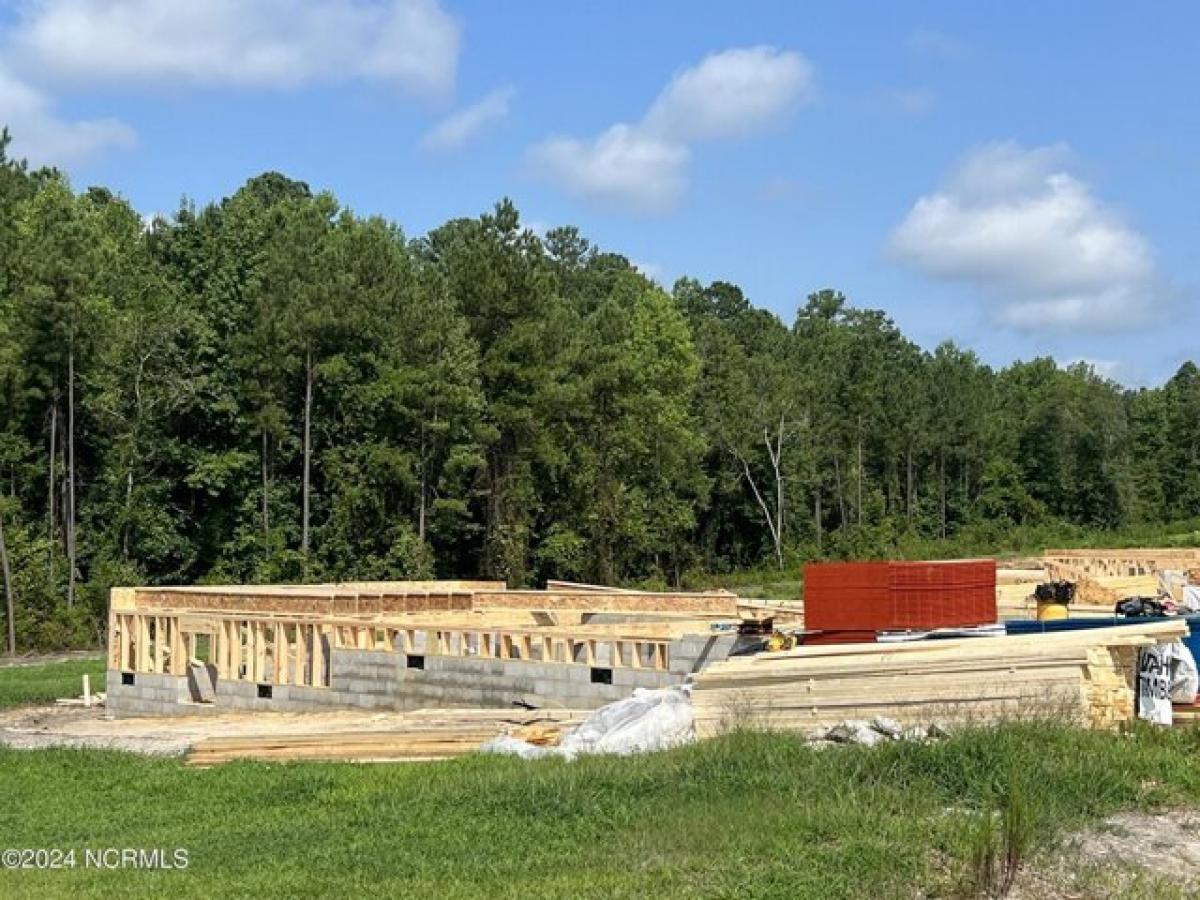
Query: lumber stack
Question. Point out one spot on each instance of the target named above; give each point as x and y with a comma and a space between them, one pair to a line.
1086, 677
418, 736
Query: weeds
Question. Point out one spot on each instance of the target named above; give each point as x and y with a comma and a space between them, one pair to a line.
1000, 842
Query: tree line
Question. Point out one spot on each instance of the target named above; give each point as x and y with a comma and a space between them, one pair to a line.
274, 388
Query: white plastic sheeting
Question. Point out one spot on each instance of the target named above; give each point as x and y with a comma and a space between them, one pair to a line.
649, 720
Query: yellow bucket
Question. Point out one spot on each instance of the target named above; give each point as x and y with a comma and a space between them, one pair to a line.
1048, 612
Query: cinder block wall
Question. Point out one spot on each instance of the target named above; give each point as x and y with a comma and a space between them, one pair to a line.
367, 679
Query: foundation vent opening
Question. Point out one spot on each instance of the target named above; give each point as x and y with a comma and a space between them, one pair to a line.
265, 691
601, 675
414, 661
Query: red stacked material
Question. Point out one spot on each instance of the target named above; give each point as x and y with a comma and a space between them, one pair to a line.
891, 596
840, 637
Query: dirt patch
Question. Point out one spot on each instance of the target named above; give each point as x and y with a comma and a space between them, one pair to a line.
1130, 854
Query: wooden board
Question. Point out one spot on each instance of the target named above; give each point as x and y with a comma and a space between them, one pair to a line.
418, 736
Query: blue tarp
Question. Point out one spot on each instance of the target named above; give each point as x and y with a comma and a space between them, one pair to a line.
1033, 626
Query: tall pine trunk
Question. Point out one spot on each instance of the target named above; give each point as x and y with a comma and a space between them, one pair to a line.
908, 491
424, 489
308, 401
942, 488
71, 475
841, 491
817, 516
53, 486
859, 481
266, 493
10, 604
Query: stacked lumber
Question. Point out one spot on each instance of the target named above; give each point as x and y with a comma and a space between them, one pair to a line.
1186, 715
1086, 677
419, 736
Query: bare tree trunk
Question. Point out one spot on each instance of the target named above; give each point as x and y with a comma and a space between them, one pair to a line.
9, 601
908, 491
858, 486
266, 491
308, 400
841, 492
128, 504
424, 488
53, 484
942, 488
772, 523
71, 475
817, 516
777, 465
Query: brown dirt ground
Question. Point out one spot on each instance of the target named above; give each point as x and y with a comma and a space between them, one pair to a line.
1132, 854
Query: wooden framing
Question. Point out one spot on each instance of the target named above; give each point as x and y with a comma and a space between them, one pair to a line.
1117, 563
277, 650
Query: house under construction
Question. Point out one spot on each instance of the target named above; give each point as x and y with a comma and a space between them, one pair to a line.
405, 645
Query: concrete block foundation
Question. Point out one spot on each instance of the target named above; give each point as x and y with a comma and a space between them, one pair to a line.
385, 680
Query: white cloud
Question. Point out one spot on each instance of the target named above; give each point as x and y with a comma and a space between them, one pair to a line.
653, 271
42, 136
731, 94
1105, 368
624, 167
642, 167
1034, 239
461, 127
412, 44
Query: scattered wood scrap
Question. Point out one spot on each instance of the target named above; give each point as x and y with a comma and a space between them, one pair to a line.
1085, 677
420, 736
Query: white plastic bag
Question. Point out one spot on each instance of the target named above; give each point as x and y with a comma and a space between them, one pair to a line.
1190, 598
506, 745
1185, 680
649, 720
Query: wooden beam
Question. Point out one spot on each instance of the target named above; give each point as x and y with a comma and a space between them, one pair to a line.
318, 658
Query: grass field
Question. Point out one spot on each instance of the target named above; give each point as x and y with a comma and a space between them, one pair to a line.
44, 683
745, 815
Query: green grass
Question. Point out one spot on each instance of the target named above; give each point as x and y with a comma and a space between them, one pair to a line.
43, 683
747, 815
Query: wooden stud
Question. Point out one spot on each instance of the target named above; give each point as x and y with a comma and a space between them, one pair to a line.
179, 654
280, 657
143, 644
159, 645
125, 624
302, 632
260, 652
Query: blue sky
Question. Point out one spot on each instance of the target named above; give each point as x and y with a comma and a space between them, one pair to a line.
1021, 178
